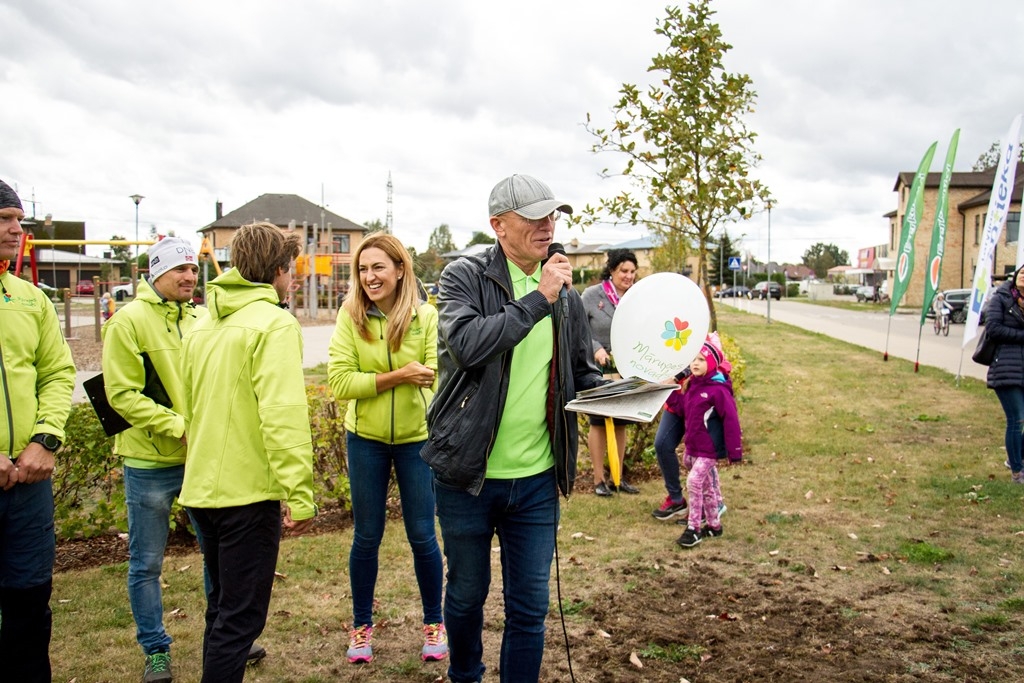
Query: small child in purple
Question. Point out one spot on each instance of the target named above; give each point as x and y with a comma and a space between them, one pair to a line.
707, 392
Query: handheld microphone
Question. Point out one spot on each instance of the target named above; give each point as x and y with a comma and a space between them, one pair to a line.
563, 293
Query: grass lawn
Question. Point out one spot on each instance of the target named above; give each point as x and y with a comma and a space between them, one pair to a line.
873, 534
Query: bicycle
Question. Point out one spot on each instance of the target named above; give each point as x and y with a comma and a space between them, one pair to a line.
942, 321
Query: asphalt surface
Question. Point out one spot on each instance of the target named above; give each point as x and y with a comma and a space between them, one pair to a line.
875, 330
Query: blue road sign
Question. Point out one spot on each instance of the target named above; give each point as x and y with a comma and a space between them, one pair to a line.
734, 263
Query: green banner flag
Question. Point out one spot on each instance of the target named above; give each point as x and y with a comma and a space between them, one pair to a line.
934, 274
905, 256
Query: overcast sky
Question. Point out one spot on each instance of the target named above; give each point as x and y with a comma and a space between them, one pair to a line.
188, 103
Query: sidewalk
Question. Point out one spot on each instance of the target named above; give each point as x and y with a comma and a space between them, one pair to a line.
316, 340
874, 330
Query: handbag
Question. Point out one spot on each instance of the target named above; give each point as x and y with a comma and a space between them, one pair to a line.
985, 351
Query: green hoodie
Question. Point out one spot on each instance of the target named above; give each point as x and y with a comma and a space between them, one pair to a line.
245, 403
37, 375
153, 326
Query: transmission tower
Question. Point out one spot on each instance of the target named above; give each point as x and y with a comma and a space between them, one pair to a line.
389, 221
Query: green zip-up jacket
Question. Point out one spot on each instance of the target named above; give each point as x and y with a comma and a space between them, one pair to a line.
153, 326
399, 415
37, 374
245, 402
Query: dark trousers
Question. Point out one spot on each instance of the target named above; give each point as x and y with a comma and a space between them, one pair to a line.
240, 547
25, 634
27, 547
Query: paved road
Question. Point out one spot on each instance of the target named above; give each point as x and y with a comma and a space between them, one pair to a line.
872, 330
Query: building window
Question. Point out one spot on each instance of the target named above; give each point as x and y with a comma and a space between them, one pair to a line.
977, 229
341, 244
1012, 226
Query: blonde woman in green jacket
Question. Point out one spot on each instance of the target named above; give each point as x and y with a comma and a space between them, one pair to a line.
383, 360
249, 444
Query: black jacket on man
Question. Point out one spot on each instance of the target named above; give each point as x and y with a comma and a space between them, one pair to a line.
479, 325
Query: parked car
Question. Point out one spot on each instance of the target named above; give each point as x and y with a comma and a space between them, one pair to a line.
122, 292
85, 287
49, 291
865, 293
762, 289
737, 291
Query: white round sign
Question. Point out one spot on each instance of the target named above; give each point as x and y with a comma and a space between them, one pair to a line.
659, 326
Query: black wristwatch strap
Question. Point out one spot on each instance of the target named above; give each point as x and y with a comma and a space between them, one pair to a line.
47, 441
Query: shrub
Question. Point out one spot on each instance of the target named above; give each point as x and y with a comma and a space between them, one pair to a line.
88, 492
330, 464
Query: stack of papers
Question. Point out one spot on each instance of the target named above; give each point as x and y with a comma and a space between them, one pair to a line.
627, 399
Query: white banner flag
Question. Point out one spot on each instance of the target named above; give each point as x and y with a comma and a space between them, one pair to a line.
998, 206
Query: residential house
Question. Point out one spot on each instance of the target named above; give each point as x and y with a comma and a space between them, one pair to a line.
334, 236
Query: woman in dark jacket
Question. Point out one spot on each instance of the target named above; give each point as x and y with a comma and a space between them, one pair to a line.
1004, 325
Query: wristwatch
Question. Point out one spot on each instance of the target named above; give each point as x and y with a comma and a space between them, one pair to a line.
47, 441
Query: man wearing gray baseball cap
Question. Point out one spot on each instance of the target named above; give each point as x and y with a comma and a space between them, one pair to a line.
501, 445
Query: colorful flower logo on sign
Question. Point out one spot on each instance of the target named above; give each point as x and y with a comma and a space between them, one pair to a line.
676, 333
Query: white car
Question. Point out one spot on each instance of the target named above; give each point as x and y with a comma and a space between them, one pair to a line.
122, 292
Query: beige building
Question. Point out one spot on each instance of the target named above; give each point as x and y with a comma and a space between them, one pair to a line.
969, 194
334, 235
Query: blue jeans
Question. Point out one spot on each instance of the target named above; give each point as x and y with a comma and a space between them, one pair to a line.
670, 433
149, 494
1012, 399
369, 471
524, 513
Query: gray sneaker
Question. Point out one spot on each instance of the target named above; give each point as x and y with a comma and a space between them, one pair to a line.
1017, 477
158, 668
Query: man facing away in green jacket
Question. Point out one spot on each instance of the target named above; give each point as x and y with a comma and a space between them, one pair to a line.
250, 446
141, 349
37, 377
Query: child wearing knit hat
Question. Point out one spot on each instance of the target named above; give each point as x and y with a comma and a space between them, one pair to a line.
706, 392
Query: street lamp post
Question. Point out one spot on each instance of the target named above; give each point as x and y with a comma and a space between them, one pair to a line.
769, 285
136, 198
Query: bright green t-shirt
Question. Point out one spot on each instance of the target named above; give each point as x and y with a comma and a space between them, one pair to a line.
522, 447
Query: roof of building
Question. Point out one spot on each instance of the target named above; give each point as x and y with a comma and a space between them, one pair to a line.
282, 209
60, 257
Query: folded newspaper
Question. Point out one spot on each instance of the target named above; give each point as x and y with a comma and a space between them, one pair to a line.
627, 399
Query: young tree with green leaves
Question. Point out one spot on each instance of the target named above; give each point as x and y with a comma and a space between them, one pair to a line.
689, 152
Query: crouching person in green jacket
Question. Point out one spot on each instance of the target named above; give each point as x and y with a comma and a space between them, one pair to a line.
249, 440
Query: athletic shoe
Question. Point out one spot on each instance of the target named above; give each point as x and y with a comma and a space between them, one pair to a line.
690, 538
158, 668
711, 532
435, 642
256, 653
1017, 477
625, 487
721, 509
668, 509
602, 490
360, 645
1006, 464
